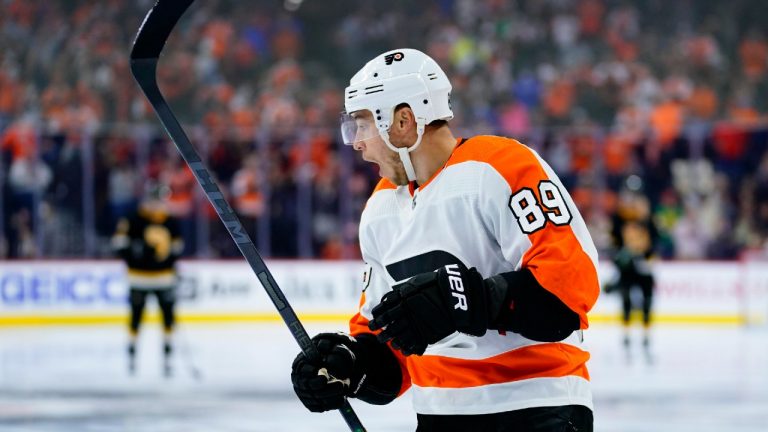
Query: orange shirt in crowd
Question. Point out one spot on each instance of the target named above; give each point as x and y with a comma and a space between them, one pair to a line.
667, 121
248, 201
219, 33
744, 116
591, 16
20, 140
558, 99
754, 55
181, 181
582, 152
10, 94
616, 154
703, 102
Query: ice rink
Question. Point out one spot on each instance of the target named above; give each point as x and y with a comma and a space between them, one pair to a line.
235, 378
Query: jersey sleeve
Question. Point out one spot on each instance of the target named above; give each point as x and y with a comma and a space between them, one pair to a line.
374, 286
538, 226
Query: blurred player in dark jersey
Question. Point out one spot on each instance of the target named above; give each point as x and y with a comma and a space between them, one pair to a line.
635, 236
149, 242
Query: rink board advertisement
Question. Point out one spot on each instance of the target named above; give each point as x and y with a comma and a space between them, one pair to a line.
40, 292
209, 290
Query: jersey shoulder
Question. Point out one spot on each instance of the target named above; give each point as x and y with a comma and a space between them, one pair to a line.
382, 201
492, 149
513, 160
383, 184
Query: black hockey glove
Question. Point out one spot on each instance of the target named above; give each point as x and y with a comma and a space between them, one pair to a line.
322, 386
349, 366
430, 306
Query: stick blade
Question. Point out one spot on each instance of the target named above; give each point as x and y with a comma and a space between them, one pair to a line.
156, 27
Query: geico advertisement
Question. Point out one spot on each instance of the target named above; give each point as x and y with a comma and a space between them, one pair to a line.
101, 286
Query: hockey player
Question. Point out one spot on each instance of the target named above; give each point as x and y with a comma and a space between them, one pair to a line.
480, 271
150, 243
635, 236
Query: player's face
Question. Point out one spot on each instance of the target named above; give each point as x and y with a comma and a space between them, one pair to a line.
154, 206
373, 149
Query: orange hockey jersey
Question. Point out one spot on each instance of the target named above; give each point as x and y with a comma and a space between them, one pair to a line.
497, 206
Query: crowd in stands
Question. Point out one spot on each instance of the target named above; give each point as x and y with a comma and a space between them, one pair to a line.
675, 93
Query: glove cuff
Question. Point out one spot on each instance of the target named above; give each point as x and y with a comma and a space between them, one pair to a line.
383, 377
496, 288
520, 304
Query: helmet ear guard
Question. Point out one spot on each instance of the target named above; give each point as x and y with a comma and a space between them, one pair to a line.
404, 76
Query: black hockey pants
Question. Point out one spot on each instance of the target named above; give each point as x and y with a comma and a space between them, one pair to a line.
165, 299
569, 418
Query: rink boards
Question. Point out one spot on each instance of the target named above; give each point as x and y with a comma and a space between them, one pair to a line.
78, 292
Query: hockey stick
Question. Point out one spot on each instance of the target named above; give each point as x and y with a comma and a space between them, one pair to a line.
150, 39
185, 352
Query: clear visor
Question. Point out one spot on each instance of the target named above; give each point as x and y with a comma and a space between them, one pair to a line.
358, 126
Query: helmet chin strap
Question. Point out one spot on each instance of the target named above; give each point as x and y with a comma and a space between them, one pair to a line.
406, 159
403, 152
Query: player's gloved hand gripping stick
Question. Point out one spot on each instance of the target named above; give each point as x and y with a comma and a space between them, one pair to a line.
149, 42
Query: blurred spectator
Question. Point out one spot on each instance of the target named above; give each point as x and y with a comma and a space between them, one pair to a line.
666, 122
760, 201
689, 235
326, 226
248, 200
123, 190
180, 202
753, 53
27, 179
667, 215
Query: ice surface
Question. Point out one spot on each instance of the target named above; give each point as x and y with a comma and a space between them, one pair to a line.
73, 378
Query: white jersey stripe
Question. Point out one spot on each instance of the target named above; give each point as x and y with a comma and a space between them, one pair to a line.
534, 392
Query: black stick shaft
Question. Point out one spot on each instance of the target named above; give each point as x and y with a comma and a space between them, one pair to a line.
149, 42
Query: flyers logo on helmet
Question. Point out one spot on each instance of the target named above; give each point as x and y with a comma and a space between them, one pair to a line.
389, 58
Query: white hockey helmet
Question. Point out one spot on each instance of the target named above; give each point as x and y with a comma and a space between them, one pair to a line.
401, 76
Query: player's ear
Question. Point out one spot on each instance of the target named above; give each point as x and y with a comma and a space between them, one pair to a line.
403, 129
404, 118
